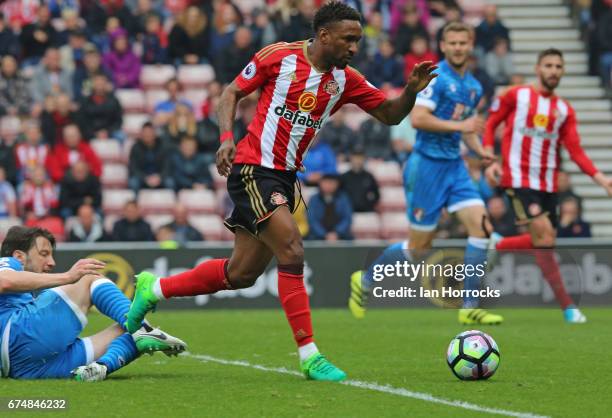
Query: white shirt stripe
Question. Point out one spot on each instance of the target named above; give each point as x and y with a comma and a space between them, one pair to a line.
297, 132
551, 162
535, 154
520, 122
283, 82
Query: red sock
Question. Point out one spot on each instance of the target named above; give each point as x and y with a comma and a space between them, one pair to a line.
550, 269
516, 242
207, 277
293, 297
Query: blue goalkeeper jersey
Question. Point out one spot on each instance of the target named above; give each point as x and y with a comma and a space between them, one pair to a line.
10, 301
450, 97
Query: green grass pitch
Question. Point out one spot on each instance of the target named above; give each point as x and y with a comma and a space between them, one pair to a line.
548, 368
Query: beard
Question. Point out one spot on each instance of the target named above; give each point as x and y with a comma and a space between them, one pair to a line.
550, 83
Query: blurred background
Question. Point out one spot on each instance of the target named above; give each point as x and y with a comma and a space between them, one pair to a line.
108, 129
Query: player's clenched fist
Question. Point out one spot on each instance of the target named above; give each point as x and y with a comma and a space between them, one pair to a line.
84, 267
225, 157
421, 75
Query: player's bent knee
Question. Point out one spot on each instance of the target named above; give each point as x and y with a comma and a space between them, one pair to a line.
241, 279
292, 252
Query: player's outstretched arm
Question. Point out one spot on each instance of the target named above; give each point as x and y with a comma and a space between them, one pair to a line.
226, 112
24, 281
392, 112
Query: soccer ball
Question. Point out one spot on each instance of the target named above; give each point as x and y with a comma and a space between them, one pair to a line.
473, 355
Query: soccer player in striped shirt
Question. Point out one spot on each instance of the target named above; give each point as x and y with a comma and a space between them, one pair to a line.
537, 123
302, 84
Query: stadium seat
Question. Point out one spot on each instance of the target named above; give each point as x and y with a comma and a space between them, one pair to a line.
53, 224
155, 76
109, 222
6, 224
132, 100
198, 201
152, 97
156, 201
386, 173
109, 150
157, 221
132, 123
392, 199
196, 97
114, 176
366, 225
211, 226
195, 75
114, 200
219, 181
395, 225
354, 117
10, 126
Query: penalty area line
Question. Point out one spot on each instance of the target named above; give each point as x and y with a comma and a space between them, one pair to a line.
372, 386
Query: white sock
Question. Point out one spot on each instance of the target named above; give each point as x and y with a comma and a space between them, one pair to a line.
307, 350
157, 290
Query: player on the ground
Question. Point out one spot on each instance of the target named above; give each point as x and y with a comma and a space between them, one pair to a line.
537, 122
435, 176
303, 84
39, 335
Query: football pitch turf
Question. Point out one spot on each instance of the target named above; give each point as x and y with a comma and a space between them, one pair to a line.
243, 364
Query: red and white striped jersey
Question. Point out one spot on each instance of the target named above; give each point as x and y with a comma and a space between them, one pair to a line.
537, 124
296, 101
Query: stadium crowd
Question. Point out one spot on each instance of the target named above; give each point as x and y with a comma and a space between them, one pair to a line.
109, 131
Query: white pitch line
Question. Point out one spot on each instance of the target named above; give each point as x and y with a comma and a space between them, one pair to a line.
373, 386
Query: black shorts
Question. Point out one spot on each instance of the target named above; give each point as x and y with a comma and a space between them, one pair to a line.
528, 204
257, 192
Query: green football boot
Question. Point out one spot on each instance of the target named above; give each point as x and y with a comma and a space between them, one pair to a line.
317, 367
144, 301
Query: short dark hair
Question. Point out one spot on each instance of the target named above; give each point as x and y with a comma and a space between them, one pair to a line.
550, 51
333, 12
23, 239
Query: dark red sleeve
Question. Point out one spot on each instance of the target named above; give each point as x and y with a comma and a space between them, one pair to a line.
359, 91
498, 112
254, 74
571, 139
54, 164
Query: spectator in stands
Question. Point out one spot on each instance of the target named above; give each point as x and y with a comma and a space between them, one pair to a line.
164, 109
189, 39
39, 197
9, 42
79, 187
330, 213
148, 163
299, 25
132, 227
103, 40
15, 98
49, 78
83, 76
71, 54
166, 238
498, 62
32, 152
181, 123
233, 59
373, 34
359, 184
604, 38
452, 13
37, 37
58, 112
409, 28
375, 139
419, 52
184, 232
7, 158
319, 160
501, 218
571, 224
188, 169
8, 198
487, 83
403, 137
88, 226
154, 41
100, 113
264, 32
489, 30
247, 109
141, 10
564, 189
337, 135
97, 13
71, 24
121, 62
67, 152
386, 70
